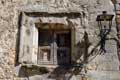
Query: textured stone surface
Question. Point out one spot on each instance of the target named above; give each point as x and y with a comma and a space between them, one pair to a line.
89, 9
104, 75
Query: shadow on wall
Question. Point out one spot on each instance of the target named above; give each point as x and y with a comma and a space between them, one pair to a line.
18, 39
82, 49
26, 72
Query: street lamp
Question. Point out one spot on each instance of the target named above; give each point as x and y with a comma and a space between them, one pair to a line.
105, 20
104, 23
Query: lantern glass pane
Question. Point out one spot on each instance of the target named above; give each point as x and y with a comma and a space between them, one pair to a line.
105, 25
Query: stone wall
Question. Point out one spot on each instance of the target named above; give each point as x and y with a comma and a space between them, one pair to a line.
98, 64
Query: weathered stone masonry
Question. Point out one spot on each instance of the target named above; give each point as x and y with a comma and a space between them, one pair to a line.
99, 66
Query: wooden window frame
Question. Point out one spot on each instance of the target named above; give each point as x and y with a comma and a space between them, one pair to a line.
54, 48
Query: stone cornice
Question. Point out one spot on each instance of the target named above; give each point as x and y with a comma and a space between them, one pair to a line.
50, 9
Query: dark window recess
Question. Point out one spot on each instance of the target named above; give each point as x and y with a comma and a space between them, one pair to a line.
63, 40
45, 38
63, 48
63, 56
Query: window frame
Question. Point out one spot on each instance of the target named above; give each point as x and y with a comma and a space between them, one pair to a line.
28, 21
